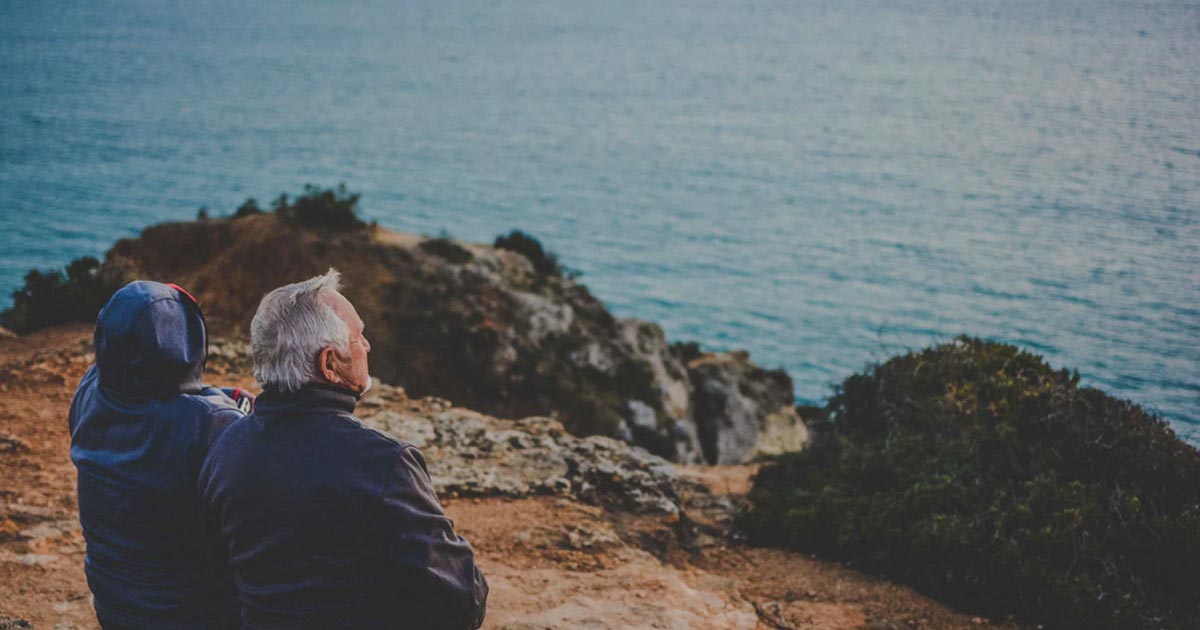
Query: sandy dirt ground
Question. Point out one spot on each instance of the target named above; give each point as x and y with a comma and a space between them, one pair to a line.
552, 562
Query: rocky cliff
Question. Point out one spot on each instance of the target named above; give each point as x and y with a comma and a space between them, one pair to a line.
489, 329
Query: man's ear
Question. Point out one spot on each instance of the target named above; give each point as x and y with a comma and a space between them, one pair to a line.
326, 366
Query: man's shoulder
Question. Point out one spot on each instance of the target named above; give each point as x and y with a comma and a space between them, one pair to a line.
371, 438
337, 430
380, 463
213, 410
210, 400
181, 412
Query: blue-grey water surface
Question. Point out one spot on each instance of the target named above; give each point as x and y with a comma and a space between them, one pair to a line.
823, 182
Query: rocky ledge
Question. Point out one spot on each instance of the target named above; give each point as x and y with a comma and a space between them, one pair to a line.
470, 454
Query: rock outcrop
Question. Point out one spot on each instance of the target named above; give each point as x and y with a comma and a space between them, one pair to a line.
482, 326
471, 454
742, 410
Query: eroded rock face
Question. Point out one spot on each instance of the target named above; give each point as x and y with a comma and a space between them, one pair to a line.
480, 326
742, 410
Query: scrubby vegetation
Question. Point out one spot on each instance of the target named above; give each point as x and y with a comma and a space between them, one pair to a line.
331, 209
248, 208
53, 296
445, 248
978, 474
544, 262
687, 351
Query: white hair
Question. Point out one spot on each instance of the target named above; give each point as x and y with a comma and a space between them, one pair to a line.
293, 324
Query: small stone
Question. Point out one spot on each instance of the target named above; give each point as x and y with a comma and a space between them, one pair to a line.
13, 444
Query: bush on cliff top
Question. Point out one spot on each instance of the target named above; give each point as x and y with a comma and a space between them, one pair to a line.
978, 474
544, 262
445, 248
331, 209
248, 208
54, 296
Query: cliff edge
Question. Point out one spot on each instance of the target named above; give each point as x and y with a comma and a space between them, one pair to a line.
571, 531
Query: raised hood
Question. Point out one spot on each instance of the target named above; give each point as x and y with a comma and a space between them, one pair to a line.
150, 342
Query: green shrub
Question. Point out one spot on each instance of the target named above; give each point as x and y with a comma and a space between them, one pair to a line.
977, 474
53, 296
687, 351
331, 209
249, 208
447, 249
544, 262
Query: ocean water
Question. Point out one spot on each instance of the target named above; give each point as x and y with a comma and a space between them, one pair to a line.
825, 183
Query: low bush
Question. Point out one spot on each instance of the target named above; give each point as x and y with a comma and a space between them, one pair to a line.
978, 474
687, 351
248, 208
331, 209
447, 249
544, 262
53, 296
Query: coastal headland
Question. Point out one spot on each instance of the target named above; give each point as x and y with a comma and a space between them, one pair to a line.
611, 478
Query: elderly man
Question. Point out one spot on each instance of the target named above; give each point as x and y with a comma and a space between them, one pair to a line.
324, 522
141, 423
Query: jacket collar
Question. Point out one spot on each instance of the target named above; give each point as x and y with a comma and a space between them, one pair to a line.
313, 398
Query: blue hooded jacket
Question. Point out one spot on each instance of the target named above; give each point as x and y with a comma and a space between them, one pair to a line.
141, 424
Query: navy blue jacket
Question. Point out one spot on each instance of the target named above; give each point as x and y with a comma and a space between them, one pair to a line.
141, 423
327, 523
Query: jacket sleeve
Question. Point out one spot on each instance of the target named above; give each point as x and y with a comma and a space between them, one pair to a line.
437, 566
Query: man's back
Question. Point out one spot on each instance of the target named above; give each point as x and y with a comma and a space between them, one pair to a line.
326, 523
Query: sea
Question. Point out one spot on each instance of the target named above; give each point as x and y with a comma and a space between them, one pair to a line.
825, 183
